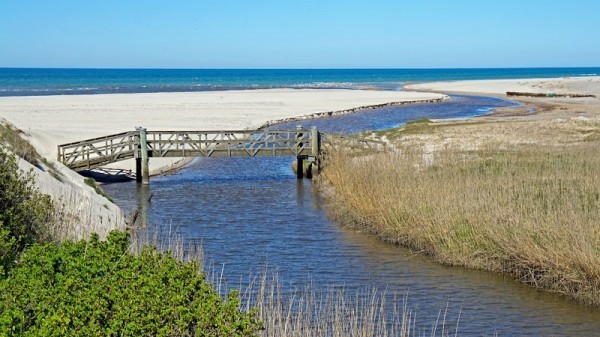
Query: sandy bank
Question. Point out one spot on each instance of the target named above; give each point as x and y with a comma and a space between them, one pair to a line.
53, 120
581, 85
80, 210
544, 107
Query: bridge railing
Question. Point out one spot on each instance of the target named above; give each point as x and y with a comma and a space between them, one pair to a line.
100, 151
142, 144
228, 143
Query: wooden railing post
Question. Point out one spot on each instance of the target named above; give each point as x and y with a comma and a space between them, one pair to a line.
144, 157
299, 158
315, 141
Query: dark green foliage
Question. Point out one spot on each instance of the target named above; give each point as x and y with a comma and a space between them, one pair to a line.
97, 288
23, 211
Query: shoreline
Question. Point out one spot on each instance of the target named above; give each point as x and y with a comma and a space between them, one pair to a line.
318, 115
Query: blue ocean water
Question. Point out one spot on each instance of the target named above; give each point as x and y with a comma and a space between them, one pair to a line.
36, 82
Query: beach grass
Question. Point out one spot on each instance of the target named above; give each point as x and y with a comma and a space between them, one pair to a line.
531, 211
11, 138
304, 309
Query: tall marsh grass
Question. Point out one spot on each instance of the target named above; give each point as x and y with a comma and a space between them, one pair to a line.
532, 213
305, 309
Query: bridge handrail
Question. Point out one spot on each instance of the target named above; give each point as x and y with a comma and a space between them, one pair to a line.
97, 139
99, 151
135, 133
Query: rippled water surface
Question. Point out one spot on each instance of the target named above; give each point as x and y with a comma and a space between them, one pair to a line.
252, 212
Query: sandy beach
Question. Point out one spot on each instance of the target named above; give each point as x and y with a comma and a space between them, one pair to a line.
533, 108
552, 121
54, 120
582, 85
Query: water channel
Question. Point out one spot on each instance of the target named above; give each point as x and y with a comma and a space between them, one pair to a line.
252, 212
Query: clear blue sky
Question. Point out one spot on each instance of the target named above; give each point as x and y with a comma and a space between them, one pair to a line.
299, 33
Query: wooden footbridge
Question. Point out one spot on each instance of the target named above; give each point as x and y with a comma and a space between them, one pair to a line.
142, 145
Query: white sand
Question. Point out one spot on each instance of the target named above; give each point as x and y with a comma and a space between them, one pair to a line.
54, 120
566, 85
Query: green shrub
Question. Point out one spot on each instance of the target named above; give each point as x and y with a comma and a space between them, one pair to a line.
98, 288
23, 211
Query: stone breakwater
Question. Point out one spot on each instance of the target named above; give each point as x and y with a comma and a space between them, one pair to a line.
349, 111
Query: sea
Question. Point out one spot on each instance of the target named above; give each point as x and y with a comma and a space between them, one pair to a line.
46, 81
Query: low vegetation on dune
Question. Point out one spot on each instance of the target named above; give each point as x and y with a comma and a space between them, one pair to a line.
25, 214
528, 211
10, 137
92, 288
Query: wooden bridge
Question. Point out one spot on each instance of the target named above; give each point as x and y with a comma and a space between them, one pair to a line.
142, 144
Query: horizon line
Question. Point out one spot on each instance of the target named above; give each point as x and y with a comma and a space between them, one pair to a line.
316, 68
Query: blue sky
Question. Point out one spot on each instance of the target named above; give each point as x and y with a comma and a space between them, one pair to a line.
299, 34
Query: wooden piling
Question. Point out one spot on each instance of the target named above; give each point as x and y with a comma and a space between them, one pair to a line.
299, 167
309, 170
138, 169
314, 141
144, 156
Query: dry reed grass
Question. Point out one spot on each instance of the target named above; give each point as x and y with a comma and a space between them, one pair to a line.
532, 212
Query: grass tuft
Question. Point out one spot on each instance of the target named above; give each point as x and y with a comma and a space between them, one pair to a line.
92, 183
11, 137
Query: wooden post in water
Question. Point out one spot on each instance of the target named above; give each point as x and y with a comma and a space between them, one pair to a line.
144, 158
299, 159
299, 167
315, 141
316, 150
309, 169
138, 169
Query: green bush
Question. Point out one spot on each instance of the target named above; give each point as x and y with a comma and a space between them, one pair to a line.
97, 288
24, 211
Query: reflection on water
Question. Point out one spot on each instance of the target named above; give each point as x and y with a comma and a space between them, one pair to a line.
253, 212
